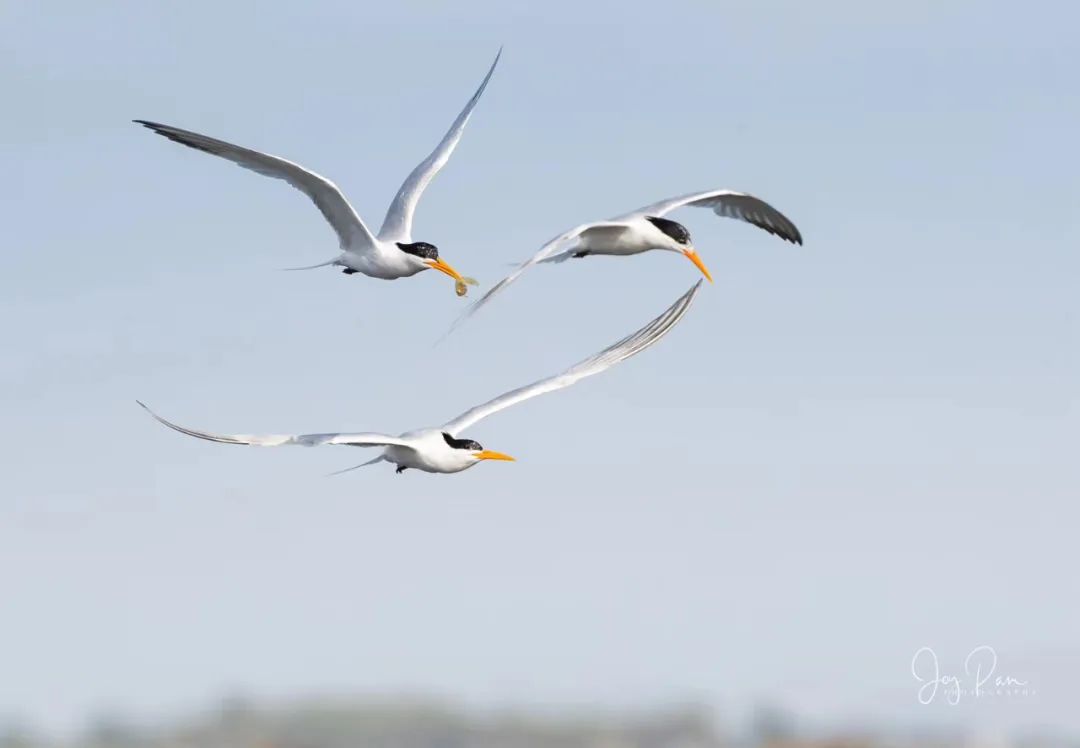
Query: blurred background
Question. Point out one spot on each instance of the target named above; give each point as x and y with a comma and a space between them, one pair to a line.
852, 466
427, 723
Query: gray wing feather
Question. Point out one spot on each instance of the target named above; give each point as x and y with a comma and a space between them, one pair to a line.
397, 225
544, 253
625, 348
277, 440
328, 198
730, 204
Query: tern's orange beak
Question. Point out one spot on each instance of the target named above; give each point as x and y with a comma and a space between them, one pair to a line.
444, 268
487, 454
694, 257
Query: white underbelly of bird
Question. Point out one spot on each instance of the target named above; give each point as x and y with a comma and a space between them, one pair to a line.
627, 243
382, 265
430, 454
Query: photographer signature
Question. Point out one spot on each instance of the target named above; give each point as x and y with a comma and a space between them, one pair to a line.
977, 680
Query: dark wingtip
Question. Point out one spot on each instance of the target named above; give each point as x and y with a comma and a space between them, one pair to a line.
146, 407
153, 415
152, 126
494, 64
792, 236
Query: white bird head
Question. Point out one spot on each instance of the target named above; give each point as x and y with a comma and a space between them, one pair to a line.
676, 238
472, 452
425, 256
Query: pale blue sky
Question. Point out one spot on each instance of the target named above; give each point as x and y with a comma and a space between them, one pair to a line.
847, 451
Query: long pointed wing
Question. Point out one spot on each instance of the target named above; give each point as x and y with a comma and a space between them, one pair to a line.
730, 204
629, 346
351, 231
397, 226
277, 440
546, 251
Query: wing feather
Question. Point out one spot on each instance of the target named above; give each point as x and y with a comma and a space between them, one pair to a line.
631, 345
366, 439
545, 252
328, 198
729, 204
397, 226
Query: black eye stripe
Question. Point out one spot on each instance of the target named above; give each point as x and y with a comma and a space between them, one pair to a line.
461, 443
674, 229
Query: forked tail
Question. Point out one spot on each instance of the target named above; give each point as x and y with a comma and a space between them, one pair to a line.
335, 261
380, 458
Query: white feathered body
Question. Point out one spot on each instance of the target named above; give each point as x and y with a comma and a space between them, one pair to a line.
429, 452
632, 237
384, 261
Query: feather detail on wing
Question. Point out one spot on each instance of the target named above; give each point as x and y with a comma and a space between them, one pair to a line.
351, 231
629, 346
546, 251
397, 226
730, 204
277, 440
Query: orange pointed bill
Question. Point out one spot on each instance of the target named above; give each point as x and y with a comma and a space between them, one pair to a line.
695, 258
487, 454
442, 267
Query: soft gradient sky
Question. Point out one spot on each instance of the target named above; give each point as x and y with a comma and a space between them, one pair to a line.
847, 451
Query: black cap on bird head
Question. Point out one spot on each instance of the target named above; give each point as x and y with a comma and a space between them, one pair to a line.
461, 443
423, 250
678, 233
474, 449
674, 229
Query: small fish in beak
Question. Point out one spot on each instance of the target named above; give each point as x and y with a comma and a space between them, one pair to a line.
461, 287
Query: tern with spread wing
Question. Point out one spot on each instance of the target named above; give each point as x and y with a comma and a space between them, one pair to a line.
390, 255
443, 449
646, 229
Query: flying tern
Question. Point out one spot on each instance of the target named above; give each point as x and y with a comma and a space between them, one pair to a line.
392, 253
646, 229
443, 449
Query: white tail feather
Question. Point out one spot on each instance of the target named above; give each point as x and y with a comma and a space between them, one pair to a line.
380, 458
335, 261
